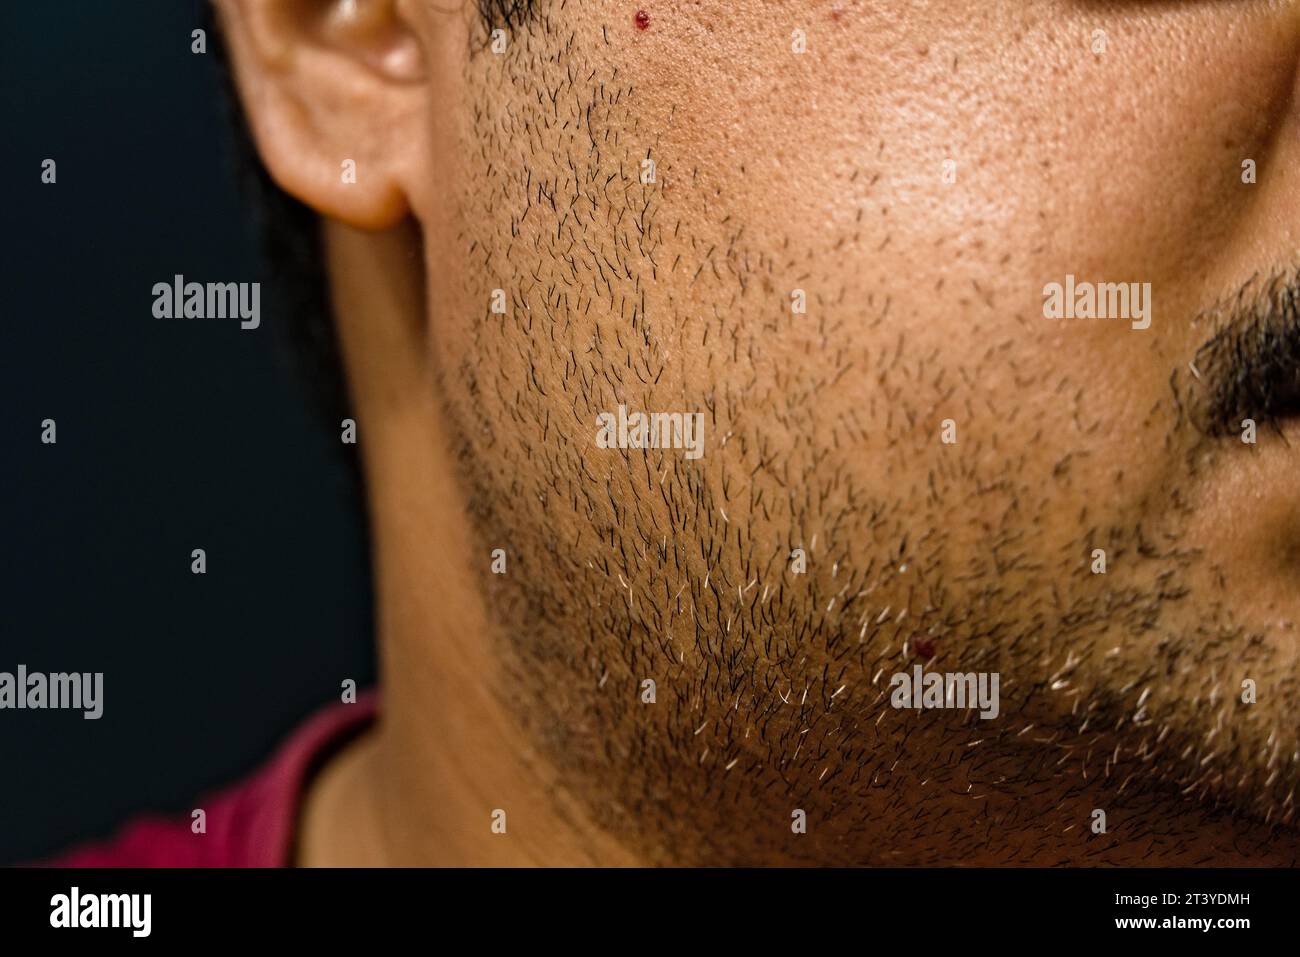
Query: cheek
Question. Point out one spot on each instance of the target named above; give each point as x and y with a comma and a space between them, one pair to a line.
918, 184
928, 146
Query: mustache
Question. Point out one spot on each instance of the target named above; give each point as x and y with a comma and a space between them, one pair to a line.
1249, 368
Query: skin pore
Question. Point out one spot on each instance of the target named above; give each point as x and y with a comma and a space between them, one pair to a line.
822, 172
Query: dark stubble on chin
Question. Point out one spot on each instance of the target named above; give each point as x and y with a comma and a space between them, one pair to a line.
771, 687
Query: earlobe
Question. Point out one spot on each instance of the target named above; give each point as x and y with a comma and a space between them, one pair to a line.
331, 89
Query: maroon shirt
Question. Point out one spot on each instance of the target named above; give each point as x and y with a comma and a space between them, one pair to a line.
249, 824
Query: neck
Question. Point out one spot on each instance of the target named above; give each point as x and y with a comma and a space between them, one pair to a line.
428, 786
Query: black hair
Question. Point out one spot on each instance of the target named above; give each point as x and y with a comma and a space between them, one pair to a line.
289, 233
504, 13
289, 241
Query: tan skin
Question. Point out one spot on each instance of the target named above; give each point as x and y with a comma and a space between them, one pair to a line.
821, 172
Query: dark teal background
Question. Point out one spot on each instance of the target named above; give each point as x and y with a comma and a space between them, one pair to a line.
172, 435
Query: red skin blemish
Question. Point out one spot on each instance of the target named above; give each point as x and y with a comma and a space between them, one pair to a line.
924, 646
642, 20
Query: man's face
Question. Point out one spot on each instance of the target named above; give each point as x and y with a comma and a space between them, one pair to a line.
919, 466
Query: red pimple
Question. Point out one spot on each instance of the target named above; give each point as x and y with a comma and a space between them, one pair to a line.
642, 20
924, 646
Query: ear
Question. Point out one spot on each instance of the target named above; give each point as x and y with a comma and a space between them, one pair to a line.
334, 91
